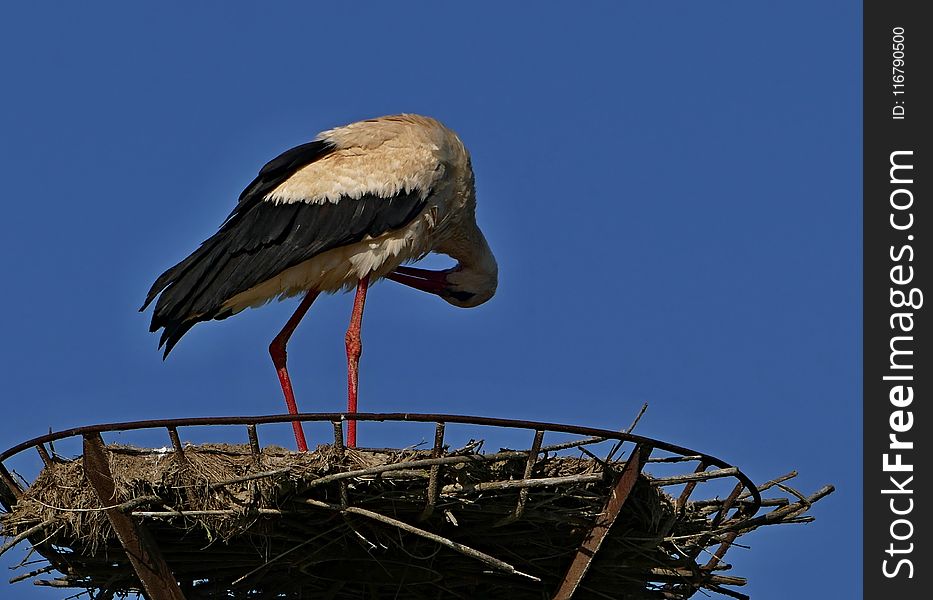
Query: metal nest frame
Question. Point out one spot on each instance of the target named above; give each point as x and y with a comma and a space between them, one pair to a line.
157, 580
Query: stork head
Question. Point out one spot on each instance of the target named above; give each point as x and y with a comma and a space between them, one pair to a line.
459, 286
467, 288
470, 283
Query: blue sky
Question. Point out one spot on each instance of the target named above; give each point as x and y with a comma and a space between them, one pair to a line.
672, 193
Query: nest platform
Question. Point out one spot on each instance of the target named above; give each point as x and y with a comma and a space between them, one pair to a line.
599, 514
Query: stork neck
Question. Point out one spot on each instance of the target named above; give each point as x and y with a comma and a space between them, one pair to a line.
475, 257
472, 282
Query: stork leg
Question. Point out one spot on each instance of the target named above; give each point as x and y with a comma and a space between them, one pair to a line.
277, 351
354, 349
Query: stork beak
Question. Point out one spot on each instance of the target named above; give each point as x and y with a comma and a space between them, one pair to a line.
432, 282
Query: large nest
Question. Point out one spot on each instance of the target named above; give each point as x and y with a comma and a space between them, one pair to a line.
235, 524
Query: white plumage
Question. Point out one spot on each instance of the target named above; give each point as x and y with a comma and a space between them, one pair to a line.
339, 212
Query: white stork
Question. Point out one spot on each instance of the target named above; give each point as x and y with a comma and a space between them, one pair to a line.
337, 213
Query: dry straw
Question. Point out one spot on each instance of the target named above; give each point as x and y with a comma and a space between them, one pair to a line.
329, 525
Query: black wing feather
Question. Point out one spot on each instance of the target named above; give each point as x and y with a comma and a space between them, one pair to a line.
260, 239
270, 176
280, 168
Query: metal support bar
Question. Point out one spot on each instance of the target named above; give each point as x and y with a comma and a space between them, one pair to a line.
176, 443
435, 473
10, 492
340, 449
147, 561
594, 539
44, 454
523, 492
253, 445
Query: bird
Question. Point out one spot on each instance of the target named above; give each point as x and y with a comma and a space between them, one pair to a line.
355, 205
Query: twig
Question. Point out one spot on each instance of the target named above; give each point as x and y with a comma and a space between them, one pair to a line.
596, 459
682, 573
461, 548
638, 417
718, 502
124, 506
618, 444
728, 592
778, 515
203, 513
24, 576
794, 492
572, 444
427, 462
58, 583
519, 483
675, 459
244, 478
596, 439
26, 561
701, 476
287, 552
25, 534
768, 484
49, 536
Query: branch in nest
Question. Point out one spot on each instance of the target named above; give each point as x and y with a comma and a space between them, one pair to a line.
461, 548
25, 534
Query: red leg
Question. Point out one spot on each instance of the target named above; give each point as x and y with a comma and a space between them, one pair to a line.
354, 349
277, 350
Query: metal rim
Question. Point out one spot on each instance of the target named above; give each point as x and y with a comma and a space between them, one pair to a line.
709, 460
